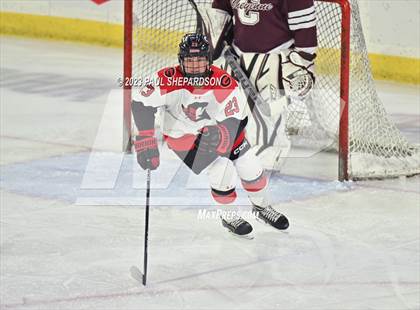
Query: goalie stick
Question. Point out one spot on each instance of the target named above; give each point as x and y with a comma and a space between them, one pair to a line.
249, 89
135, 272
247, 86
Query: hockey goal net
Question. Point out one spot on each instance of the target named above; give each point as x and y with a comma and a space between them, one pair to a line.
345, 113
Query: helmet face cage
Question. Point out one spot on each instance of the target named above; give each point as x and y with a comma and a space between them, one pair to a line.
194, 45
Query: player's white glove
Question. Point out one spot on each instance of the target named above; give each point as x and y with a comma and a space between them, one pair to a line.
298, 75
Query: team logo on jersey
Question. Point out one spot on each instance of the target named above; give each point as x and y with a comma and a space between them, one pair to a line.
170, 72
147, 90
196, 111
225, 80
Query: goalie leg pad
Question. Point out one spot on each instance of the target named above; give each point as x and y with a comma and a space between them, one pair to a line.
267, 134
264, 71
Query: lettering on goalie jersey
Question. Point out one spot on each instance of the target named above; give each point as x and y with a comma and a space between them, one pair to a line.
185, 109
263, 26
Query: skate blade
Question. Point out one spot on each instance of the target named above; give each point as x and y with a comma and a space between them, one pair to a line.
243, 237
285, 231
249, 236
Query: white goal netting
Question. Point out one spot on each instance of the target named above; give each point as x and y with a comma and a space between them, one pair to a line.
377, 149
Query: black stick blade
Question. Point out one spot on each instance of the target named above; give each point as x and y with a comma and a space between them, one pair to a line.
138, 275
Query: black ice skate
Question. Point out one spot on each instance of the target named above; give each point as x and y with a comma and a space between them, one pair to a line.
271, 217
238, 226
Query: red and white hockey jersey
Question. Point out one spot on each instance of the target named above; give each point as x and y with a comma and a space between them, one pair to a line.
185, 108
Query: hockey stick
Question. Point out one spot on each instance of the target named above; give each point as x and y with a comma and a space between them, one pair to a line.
249, 88
201, 26
135, 272
246, 84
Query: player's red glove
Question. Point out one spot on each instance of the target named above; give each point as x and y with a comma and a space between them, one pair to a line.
215, 138
147, 150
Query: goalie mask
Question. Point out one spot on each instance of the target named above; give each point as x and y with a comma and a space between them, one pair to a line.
194, 55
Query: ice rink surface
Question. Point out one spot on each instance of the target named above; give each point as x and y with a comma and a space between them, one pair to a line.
72, 209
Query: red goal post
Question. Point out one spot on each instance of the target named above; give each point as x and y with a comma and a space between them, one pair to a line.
128, 73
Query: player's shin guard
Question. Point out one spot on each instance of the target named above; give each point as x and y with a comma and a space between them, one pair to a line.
253, 178
247, 167
222, 177
257, 190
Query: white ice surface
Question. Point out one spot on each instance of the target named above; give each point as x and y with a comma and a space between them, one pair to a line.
67, 242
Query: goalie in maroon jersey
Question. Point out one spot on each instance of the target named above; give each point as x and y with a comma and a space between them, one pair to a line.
275, 41
204, 124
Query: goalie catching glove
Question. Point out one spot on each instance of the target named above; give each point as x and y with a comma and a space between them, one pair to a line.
147, 150
298, 74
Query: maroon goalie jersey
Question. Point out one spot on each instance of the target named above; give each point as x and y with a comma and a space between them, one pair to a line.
263, 26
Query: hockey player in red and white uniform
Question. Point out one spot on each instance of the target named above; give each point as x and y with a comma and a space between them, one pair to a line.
203, 122
275, 41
